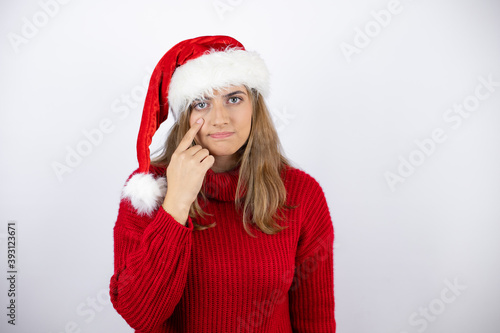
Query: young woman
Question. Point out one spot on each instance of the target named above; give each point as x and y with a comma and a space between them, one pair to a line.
220, 233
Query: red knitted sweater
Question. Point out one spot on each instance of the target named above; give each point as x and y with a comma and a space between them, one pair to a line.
171, 278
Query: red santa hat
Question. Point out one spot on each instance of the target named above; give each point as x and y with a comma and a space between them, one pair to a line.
192, 69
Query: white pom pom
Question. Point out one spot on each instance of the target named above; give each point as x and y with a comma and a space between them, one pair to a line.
145, 192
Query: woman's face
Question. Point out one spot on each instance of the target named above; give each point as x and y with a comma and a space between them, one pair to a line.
227, 120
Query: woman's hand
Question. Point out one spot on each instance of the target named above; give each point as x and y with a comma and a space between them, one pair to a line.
185, 174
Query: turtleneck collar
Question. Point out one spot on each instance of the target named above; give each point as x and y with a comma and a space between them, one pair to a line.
222, 185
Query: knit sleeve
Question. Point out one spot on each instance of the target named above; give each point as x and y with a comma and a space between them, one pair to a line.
311, 294
151, 263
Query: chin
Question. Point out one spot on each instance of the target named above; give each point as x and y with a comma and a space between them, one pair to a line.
222, 152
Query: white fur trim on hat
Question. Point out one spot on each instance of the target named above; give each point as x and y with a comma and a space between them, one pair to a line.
145, 192
215, 70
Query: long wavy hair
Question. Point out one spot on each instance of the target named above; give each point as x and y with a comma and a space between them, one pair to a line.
261, 161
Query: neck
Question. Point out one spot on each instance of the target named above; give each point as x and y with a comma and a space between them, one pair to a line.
224, 163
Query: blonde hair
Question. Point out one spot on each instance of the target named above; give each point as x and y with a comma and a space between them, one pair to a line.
261, 162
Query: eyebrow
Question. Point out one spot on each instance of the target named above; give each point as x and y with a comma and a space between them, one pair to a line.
234, 93
224, 96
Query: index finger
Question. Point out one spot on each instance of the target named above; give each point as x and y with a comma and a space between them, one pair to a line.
190, 134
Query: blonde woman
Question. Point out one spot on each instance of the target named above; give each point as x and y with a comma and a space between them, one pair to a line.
220, 233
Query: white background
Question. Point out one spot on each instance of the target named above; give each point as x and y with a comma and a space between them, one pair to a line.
346, 120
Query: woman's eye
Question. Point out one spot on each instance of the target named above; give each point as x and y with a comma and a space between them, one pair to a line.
234, 100
200, 105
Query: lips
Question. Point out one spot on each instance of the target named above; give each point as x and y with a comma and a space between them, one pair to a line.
221, 135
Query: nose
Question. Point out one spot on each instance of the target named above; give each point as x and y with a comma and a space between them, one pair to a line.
219, 114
